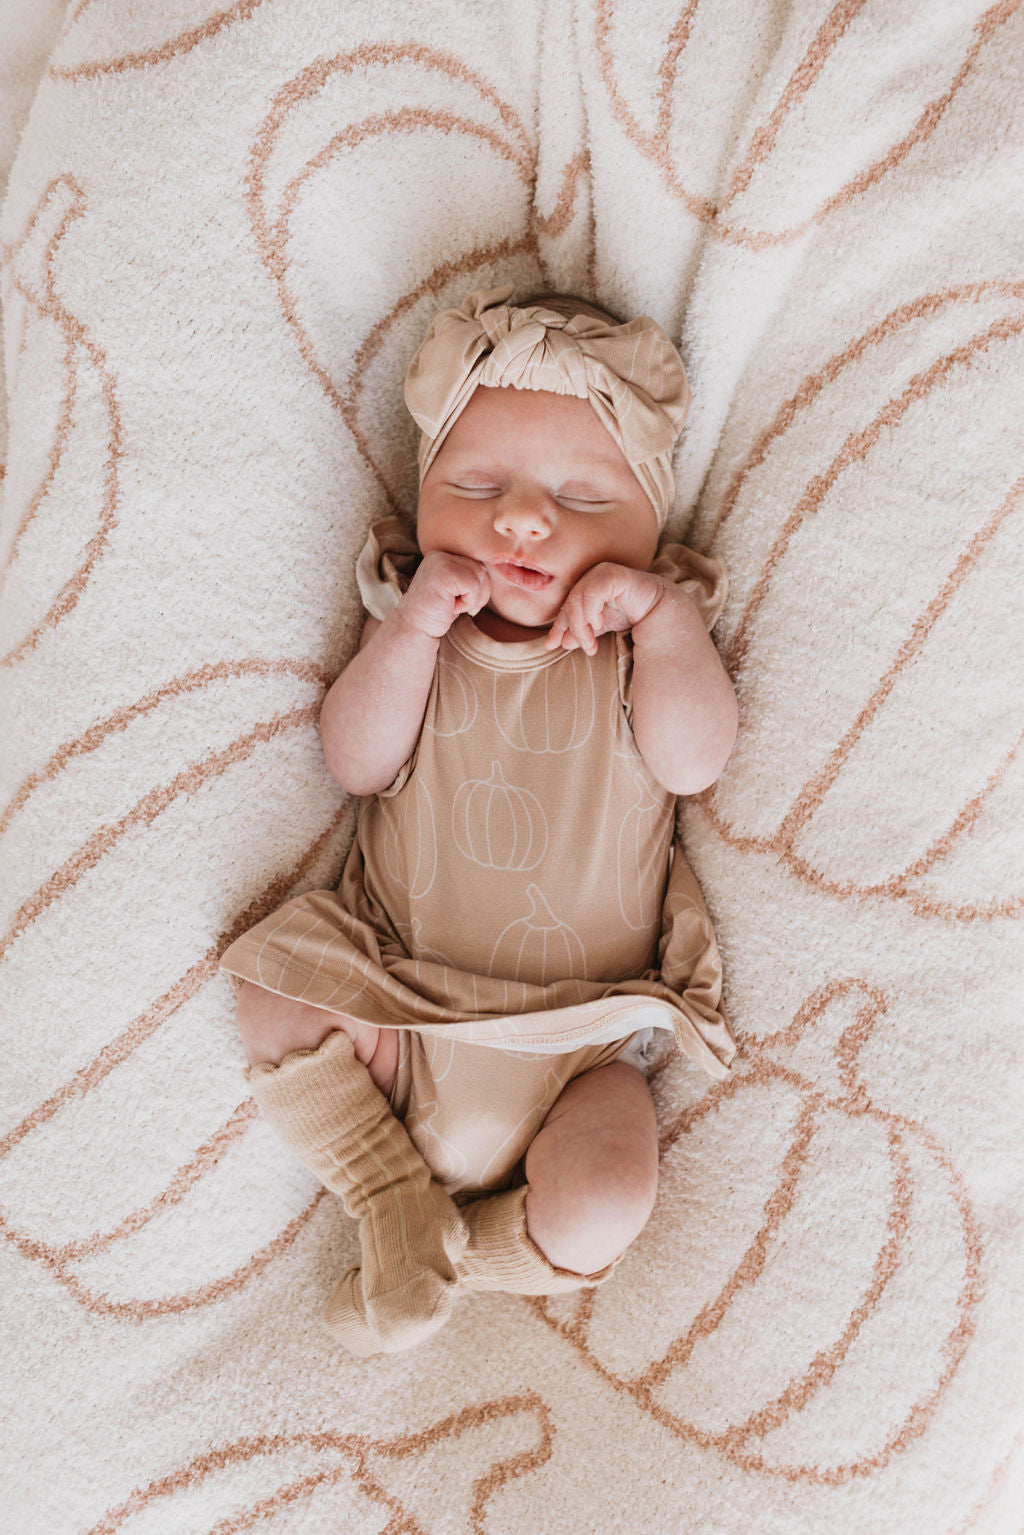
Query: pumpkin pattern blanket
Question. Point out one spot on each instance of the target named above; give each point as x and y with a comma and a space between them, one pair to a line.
225, 227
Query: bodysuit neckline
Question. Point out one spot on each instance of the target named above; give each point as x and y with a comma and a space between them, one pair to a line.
501, 655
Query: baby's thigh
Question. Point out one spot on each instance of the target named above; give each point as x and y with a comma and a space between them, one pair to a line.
593, 1169
273, 1026
605, 1114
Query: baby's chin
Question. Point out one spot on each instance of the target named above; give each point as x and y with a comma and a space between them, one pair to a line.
532, 610
502, 624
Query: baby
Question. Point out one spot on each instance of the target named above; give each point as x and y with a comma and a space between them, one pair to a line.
450, 1040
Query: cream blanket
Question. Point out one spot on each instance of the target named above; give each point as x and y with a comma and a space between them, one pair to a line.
225, 229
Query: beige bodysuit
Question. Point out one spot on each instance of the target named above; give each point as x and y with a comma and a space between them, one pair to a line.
514, 902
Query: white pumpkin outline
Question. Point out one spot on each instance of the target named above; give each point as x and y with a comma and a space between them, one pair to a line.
339, 980
415, 803
351, 978
638, 891
419, 951
584, 713
450, 676
542, 919
463, 823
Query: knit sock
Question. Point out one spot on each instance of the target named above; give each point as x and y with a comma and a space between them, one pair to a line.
501, 1255
328, 1112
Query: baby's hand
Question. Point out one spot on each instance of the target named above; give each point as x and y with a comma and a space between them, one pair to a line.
444, 586
606, 599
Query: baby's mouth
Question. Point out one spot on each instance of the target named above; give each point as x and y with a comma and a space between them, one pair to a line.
529, 576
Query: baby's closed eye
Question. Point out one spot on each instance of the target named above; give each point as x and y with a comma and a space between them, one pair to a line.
480, 492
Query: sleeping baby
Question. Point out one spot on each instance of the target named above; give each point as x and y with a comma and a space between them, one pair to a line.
452, 1040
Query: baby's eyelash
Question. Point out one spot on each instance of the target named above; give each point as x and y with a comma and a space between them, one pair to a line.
482, 492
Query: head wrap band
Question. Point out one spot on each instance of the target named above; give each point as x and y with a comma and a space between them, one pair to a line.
631, 374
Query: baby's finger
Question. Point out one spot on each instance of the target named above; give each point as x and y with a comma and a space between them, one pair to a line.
596, 603
578, 622
560, 635
583, 626
471, 586
584, 635
561, 628
482, 595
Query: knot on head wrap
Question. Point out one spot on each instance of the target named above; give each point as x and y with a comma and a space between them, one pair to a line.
631, 374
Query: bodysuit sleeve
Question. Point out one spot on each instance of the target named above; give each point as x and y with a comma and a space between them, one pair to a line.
703, 575
386, 565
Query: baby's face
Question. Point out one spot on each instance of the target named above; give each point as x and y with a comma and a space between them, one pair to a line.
531, 485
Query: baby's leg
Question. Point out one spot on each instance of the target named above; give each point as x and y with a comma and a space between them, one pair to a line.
273, 1026
592, 1169
328, 1107
593, 1174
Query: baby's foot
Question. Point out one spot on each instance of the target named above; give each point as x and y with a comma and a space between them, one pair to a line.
404, 1289
388, 1323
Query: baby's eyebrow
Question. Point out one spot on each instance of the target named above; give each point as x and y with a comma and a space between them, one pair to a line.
588, 488
464, 472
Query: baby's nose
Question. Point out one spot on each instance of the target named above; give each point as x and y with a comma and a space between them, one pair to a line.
522, 517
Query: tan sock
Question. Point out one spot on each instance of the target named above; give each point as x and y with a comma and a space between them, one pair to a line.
327, 1111
501, 1255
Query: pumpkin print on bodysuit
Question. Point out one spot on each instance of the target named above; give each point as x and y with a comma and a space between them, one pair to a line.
498, 825
492, 891
518, 811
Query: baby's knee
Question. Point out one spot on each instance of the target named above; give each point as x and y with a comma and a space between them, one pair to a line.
257, 1016
618, 1209
272, 1026
253, 1007
603, 1219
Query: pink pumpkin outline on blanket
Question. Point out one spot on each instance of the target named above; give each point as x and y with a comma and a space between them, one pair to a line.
60, 1258
784, 839
654, 144
33, 257
361, 1455
499, 127
156, 53
576, 1321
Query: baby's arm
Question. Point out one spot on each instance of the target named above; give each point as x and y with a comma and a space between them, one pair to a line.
371, 718
684, 707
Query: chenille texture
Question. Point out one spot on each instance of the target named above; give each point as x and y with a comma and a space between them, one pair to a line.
226, 227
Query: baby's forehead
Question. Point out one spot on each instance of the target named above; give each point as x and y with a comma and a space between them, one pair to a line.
524, 422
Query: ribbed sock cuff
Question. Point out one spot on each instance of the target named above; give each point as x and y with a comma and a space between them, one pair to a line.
501, 1254
314, 1094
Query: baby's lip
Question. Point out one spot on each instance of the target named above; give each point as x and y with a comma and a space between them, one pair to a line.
522, 573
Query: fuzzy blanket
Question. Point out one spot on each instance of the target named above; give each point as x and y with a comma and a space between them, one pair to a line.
226, 227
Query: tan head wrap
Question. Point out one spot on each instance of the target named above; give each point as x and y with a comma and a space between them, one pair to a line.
631, 374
